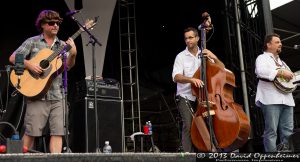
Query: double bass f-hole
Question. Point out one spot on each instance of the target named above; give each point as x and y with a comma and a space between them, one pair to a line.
221, 103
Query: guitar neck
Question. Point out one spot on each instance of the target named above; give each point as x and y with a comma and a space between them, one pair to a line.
62, 47
75, 35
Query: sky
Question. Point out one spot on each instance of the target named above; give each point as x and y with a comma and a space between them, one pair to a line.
277, 3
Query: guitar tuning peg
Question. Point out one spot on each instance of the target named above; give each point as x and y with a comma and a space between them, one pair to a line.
96, 18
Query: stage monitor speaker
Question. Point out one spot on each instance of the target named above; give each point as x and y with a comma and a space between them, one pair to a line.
83, 125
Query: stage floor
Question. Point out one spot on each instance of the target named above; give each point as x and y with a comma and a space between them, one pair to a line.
150, 157
97, 157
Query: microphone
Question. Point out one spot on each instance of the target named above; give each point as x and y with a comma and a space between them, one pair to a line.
66, 48
296, 46
70, 13
201, 26
7, 68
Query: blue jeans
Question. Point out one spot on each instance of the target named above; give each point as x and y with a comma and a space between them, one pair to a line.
279, 117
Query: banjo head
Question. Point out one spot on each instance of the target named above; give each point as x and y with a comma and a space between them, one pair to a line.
284, 85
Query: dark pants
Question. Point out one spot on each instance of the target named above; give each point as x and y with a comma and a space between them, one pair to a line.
187, 118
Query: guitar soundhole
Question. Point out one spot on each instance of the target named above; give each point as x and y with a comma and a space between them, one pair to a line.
44, 64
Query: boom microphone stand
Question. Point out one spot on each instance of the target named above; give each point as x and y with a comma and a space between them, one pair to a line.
204, 27
93, 41
65, 96
2, 108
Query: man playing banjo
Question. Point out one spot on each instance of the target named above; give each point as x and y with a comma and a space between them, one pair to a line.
276, 105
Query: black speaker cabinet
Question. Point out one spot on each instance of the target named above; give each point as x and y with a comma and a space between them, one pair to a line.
83, 125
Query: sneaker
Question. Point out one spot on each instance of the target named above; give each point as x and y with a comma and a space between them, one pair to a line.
282, 147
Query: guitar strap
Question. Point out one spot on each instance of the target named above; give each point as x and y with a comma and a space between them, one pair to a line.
278, 64
285, 65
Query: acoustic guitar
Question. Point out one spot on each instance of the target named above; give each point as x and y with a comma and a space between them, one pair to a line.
36, 86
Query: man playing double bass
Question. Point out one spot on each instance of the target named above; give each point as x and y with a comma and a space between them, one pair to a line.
186, 64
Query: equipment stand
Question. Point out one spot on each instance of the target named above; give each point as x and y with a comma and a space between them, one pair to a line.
203, 77
65, 99
93, 41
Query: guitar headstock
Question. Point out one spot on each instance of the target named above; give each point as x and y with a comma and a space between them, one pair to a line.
89, 24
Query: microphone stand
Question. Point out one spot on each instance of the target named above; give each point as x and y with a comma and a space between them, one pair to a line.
65, 98
2, 108
213, 140
93, 41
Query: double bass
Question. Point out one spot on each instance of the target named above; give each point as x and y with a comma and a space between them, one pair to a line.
219, 123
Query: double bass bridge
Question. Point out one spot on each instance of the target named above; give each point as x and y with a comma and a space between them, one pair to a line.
205, 104
211, 112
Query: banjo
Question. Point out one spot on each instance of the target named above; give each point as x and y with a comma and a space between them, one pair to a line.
287, 86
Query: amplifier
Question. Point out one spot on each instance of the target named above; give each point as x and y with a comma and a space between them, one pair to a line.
106, 88
83, 124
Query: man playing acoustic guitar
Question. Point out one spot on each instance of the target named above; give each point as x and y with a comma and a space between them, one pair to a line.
49, 106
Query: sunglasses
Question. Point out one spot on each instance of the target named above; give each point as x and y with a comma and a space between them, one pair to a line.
52, 23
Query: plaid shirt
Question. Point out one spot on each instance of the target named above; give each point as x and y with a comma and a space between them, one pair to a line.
30, 48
